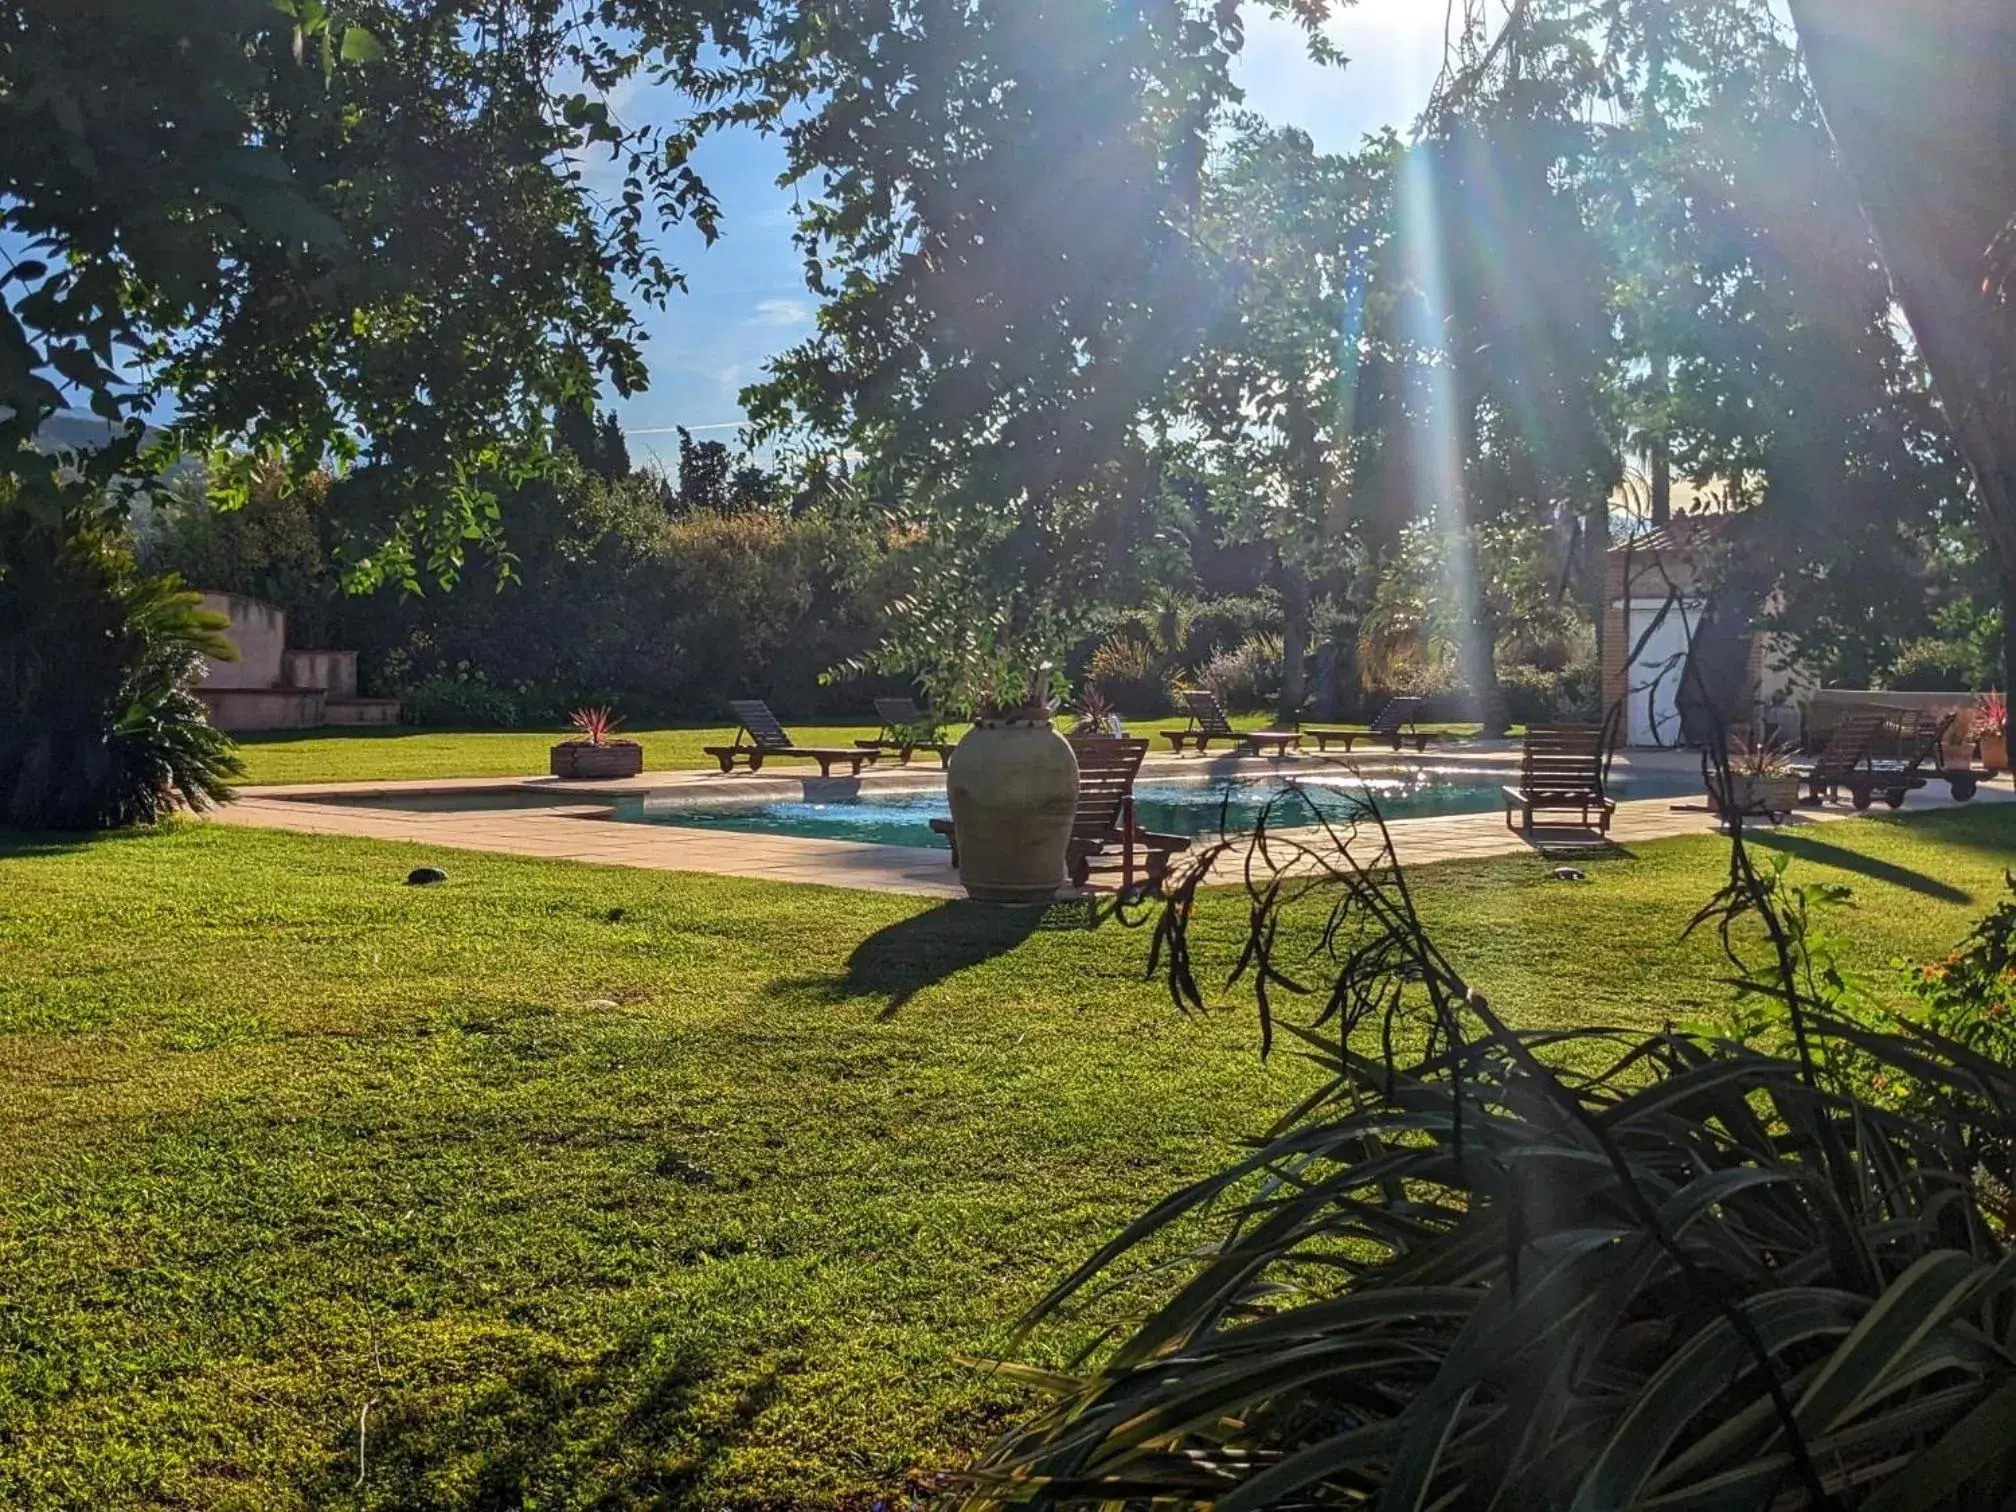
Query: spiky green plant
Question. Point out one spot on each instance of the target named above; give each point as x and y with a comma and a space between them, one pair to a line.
99, 727
1492, 1268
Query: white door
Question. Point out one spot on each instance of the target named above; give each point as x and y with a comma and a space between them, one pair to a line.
1653, 708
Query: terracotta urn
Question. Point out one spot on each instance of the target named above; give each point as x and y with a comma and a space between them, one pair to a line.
584, 761
1013, 785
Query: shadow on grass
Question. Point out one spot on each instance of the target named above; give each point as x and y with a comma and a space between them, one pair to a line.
1573, 842
15, 844
1820, 853
1977, 826
623, 1431
902, 960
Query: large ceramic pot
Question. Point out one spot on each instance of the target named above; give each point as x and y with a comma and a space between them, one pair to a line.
1995, 751
1014, 790
583, 761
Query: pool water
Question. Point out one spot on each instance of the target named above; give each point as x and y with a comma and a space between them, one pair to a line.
1171, 807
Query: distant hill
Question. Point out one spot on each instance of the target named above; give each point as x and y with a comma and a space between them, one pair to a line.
80, 430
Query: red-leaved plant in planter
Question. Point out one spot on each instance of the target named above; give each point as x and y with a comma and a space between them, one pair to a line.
594, 754
1991, 715
597, 724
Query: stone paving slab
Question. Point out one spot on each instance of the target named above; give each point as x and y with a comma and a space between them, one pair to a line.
584, 834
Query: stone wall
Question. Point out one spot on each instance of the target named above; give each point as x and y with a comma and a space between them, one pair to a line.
259, 631
334, 672
272, 688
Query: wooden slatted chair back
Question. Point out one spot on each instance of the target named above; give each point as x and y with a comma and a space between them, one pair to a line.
1398, 714
1852, 743
1923, 733
1207, 713
1564, 760
761, 724
1106, 772
896, 713
1915, 738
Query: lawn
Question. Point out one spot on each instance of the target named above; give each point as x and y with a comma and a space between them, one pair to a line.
400, 753
561, 1186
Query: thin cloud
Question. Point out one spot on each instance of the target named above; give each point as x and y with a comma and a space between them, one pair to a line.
781, 312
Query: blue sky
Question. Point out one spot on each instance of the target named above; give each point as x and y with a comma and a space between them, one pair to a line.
747, 298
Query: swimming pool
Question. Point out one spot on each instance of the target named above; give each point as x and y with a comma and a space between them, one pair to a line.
1171, 806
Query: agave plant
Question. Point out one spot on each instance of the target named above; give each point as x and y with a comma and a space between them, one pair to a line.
1095, 711
99, 727
1532, 1269
596, 725
1761, 758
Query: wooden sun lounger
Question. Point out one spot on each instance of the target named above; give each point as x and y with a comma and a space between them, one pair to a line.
1962, 781
898, 715
1850, 762
1396, 723
768, 738
1561, 771
1208, 723
1105, 836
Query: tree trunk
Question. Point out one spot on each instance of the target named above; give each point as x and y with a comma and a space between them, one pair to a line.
1662, 483
1482, 674
1294, 645
1917, 97
2009, 629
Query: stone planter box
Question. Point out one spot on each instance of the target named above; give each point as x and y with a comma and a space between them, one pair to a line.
582, 762
1753, 794
1995, 752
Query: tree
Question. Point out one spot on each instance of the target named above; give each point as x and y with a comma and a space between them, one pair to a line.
1271, 398
596, 442
1754, 351
325, 230
1916, 99
1511, 437
1005, 244
612, 452
705, 472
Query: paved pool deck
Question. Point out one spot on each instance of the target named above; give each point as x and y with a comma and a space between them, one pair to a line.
572, 823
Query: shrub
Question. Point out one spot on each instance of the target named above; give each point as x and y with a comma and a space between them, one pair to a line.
460, 700
1512, 1268
1131, 678
616, 602
270, 547
1935, 666
1533, 696
1247, 679
1970, 996
1225, 624
99, 727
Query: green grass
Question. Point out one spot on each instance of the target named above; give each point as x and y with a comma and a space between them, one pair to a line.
596, 1187
403, 754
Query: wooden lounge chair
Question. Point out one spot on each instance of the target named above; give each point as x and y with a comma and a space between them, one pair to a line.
1850, 761
1954, 765
899, 716
1396, 723
1845, 753
768, 738
1105, 836
1208, 723
1561, 770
